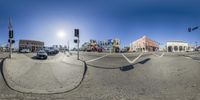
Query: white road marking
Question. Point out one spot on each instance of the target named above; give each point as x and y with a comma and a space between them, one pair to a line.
188, 57
126, 58
133, 59
155, 54
97, 58
158, 55
191, 59
162, 54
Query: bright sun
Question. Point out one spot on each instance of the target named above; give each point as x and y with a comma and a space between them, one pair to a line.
61, 34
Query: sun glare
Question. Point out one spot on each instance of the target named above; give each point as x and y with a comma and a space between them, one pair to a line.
61, 34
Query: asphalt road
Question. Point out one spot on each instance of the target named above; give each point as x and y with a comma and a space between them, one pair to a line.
152, 76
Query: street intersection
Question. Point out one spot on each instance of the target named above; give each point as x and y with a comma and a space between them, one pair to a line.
127, 76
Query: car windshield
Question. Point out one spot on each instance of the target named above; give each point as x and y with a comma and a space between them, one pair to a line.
99, 49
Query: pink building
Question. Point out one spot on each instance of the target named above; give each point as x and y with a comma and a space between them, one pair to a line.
144, 44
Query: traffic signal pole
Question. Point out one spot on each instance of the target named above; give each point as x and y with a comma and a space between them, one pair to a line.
190, 29
78, 49
10, 33
10, 46
76, 34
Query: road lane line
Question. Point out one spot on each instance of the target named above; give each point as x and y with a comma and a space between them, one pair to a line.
137, 58
126, 58
188, 57
133, 59
192, 59
158, 55
97, 58
162, 55
155, 54
197, 60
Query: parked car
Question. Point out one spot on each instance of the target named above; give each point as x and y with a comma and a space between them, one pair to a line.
25, 51
99, 49
51, 51
88, 50
41, 54
124, 50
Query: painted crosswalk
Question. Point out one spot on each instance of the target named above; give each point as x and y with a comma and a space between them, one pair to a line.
133, 61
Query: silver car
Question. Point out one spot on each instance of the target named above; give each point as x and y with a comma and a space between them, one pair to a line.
25, 51
41, 54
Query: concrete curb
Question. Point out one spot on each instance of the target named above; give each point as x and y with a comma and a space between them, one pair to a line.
24, 90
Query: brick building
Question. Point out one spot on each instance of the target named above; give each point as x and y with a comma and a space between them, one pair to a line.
144, 44
32, 45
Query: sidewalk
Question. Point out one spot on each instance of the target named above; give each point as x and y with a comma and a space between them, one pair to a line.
43, 76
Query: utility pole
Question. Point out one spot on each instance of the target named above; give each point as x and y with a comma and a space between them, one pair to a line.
76, 34
10, 40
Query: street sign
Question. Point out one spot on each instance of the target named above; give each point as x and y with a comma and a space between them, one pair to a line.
76, 32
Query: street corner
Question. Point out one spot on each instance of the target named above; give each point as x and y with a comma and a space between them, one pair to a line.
32, 76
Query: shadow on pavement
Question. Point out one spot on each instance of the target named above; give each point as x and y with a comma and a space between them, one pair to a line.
35, 58
144, 61
1, 65
103, 67
126, 68
122, 68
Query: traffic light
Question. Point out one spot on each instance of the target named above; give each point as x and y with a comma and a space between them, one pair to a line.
195, 28
13, 41
75, 41
192, 29
76, 32
10, 33
189, 29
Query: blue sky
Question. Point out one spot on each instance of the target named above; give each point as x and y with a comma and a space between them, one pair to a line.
128, 20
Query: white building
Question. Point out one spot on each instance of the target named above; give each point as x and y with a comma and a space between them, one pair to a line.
177, 46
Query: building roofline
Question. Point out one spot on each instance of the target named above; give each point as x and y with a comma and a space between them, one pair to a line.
30, 40
177, 41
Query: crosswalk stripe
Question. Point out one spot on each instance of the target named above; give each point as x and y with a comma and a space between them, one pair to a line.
133, 59
158, 55
97, 58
